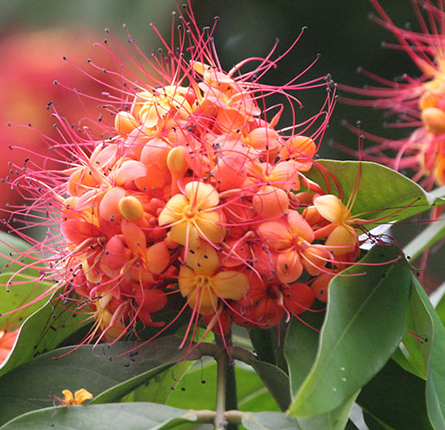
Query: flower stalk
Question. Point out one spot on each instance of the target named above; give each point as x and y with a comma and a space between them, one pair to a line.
225, 384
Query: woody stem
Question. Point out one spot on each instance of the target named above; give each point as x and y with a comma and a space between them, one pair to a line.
225, 384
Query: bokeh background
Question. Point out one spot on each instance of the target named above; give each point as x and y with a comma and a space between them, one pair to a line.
34, 35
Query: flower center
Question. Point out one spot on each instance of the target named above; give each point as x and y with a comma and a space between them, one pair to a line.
203, 281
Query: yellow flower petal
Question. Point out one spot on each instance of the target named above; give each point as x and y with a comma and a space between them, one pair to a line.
81, 395
331, 208
186, 281
173, 210
342, 240
230, 284
69, 397
208, 224
203, 259
185, 233
204, 196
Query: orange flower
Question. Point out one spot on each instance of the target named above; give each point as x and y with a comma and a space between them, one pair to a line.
194, 215
201, 282
78, 398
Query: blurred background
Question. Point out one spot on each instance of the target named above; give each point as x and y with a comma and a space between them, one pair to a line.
34, 36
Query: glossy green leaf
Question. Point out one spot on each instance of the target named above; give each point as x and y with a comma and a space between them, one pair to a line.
440, 308
409, 353
427, 238
276, 381
396, 399
43, 331
268, 344
109, 372
335, 419
174, 387
117, 416
400, 199
429, 328
300, 349
17, 296
301, 345
268, 421
365, 321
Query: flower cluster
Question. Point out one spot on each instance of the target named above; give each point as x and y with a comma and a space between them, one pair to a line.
419, 103
194, 194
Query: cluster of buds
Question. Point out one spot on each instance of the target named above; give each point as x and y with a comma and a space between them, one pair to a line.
418, 102
197, 195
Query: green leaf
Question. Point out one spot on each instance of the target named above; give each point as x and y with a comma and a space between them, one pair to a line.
365, 321
335, 419
409, 353
440, 308
19, 295
268, 421
301, 345
429, 237
173, 387
43, 331
118, 416
268, 345
400, 199
263, 344
430, 328
276, 381
107, 371
300, 349
396, 399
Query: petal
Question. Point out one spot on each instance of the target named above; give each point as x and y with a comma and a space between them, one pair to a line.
203, 259
299, 298
135, 238
109, 205
202, 195
230, 172
300, 227
270, 202
331, 208
69, 397
276, 233
314, 259
115, 253
129, 171
185, 233
155, 152
186, 281
104, 158
173, 210
81, 395
125, 123
285, 176
157, 257
230, 284
263, 138
342, 240
209, 227
289, 267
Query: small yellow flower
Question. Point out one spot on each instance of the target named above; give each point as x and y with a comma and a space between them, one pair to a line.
194, 215
77, 399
